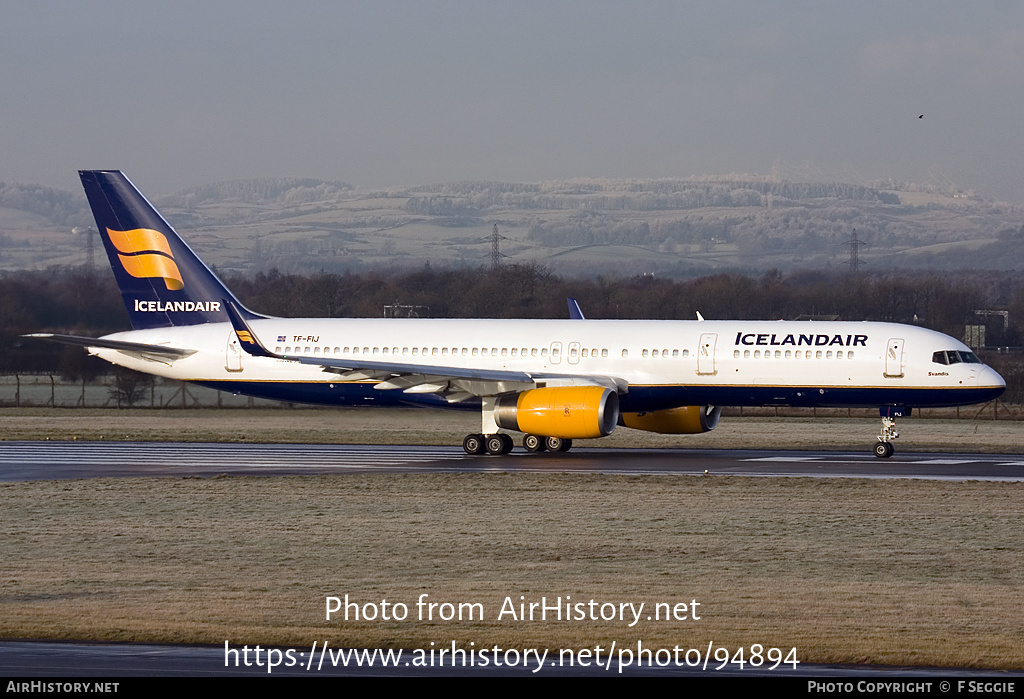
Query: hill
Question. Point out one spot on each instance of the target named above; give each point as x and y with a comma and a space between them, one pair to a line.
674, 227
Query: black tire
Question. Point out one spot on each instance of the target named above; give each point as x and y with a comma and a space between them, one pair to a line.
557, 444
508, 443
473, 444
495, 444
533, 443
883, 450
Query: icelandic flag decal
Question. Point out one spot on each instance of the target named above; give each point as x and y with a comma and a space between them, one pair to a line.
281, 338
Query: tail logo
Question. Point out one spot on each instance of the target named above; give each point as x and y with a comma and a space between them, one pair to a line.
144, 253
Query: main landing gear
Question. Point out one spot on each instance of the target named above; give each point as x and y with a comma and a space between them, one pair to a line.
883, 447
501, 443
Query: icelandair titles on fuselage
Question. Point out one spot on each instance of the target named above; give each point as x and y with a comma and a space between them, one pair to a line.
176, 306
772, 339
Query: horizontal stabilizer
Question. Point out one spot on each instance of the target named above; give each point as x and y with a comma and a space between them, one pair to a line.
138, 347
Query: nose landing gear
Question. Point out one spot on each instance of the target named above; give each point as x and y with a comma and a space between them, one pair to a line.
884, 448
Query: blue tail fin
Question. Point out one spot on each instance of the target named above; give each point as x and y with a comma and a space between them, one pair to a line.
162, 281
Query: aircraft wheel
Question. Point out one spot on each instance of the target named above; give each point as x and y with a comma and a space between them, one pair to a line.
507, 443
495, 444
557, 444
533, 443
473, 444
883, 450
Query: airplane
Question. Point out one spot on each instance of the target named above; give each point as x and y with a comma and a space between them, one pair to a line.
551, 380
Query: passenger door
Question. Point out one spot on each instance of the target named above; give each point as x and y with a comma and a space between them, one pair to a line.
706, 353
894, 358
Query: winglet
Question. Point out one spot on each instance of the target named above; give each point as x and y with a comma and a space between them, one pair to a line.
246, 337
574, 309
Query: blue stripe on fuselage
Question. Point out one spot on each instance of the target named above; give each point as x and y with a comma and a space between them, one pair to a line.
639, 398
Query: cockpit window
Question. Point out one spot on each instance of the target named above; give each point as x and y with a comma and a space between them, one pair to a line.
955, 357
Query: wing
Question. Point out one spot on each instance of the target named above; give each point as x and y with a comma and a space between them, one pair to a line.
456, 384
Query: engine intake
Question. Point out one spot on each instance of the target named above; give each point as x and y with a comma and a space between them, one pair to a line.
569, 412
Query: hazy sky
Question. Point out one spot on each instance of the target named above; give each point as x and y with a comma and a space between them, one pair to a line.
390, 93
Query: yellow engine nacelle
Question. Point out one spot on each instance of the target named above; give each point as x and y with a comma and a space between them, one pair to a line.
569, 412
689, 419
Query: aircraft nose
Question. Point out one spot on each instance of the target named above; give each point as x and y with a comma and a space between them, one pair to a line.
989, 378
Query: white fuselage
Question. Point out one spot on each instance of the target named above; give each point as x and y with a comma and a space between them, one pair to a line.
663, 363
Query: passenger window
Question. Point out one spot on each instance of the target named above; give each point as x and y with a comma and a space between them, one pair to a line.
625, 353
746, 354
735, 354
604, 353
757, 354
645, 353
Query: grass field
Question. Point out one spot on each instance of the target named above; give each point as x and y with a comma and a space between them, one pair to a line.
892, 572
863, 571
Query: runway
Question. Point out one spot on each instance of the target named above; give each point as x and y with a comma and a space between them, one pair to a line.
27, 461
